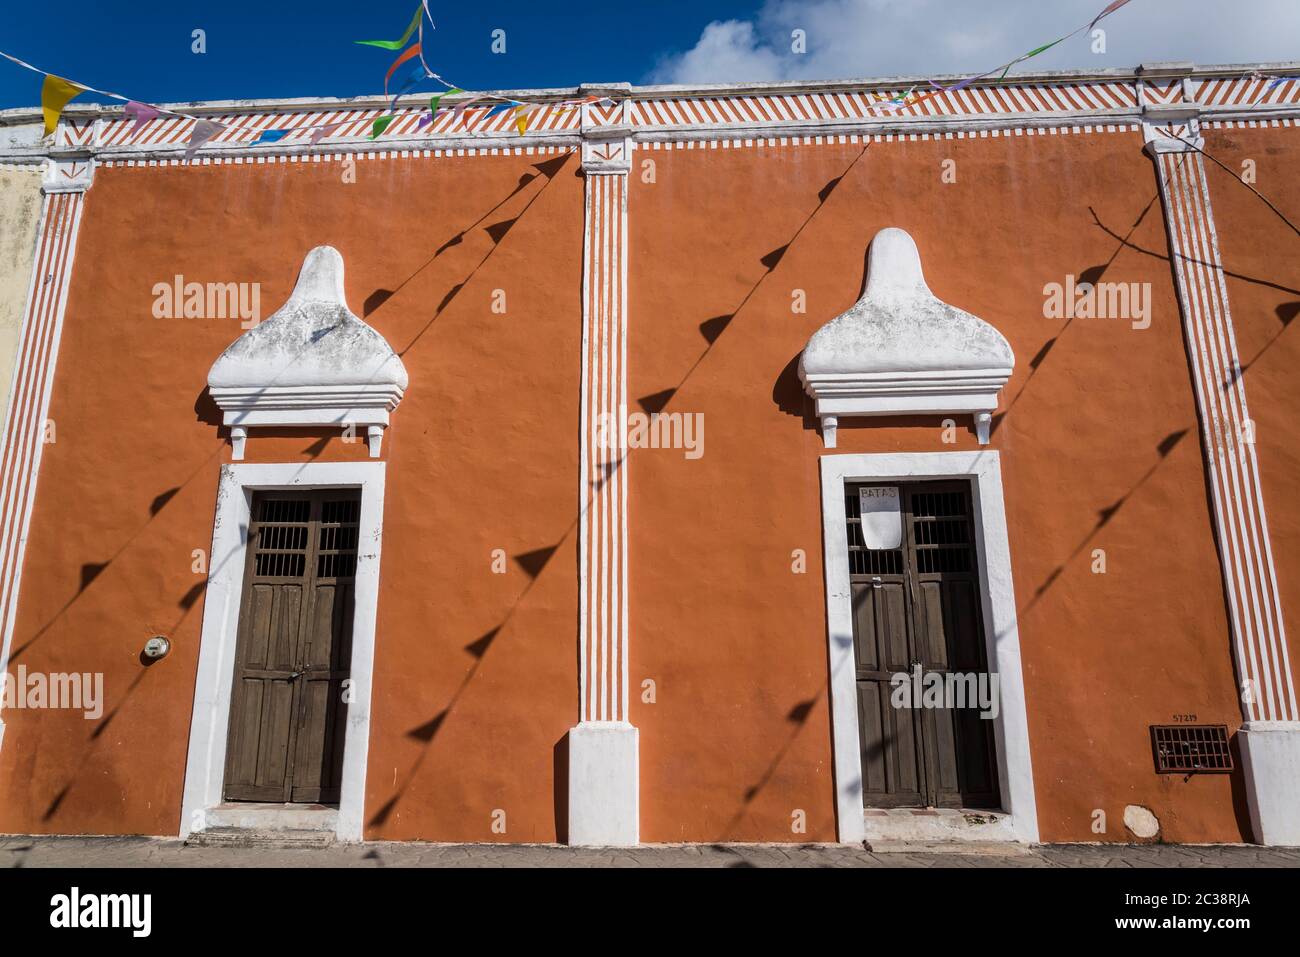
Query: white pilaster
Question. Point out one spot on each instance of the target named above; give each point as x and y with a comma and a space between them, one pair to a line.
67, 177
1270, 738
603, 747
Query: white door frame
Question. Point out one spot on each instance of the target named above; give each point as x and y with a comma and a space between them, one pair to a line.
1002, 639
206, 764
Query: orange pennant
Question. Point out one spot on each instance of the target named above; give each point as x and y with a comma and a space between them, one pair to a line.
409, 52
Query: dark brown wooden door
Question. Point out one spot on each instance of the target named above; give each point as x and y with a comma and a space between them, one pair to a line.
294, 648
918, 606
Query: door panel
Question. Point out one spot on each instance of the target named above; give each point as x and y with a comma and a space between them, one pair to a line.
887, 736
294, 649
918, 607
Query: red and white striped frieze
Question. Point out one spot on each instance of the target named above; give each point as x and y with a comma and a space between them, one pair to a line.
1227, 432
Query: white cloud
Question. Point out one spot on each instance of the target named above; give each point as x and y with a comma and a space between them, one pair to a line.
858, 38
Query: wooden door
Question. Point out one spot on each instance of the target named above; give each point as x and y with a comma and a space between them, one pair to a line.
918, 607
287, 709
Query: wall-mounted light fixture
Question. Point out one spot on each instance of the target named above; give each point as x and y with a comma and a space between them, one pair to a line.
157, 647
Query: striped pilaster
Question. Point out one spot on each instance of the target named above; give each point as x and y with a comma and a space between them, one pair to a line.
603, 486
27, 409
603, 533
1227, 431
604, 763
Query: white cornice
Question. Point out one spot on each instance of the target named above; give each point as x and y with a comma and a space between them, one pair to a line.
679, 113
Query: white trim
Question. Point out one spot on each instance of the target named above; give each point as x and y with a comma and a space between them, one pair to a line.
205, 764
1011, 729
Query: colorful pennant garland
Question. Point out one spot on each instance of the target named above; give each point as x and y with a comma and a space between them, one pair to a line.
57, 92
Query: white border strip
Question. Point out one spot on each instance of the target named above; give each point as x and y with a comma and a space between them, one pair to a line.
206, 762
28, 407
1002, 637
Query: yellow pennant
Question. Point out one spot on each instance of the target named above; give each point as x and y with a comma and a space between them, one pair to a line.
55, 94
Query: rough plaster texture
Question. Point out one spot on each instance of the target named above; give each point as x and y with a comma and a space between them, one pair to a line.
20, 213
313, 339
899, 325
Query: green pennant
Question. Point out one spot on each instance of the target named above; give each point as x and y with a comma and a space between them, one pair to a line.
380, 125
396, 44
436, 99
1045, 46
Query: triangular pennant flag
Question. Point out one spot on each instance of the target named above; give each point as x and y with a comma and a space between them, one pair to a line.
436, 100
460, 108
55, 94
322, 131
1038, 50
203, 131
380, 125
409, 52
397, 44
522, 113
270, 136
414, 77
1109, 10
142, 113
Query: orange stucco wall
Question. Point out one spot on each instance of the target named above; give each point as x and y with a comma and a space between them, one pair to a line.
481, 456
739, 737
476, 673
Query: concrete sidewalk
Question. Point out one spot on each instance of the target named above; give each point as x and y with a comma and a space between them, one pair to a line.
21, 851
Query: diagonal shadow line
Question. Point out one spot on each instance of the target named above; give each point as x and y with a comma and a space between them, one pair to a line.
285, 369
445, 713
1213, 267
765, 778
822, 200
461, 234
1255, 358
390, 805
1219, 163
464, 282
382, 815
1253, 280
100, 727
1101, 523
15, 652
1051, 344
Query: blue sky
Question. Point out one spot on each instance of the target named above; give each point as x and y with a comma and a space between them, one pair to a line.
278, 48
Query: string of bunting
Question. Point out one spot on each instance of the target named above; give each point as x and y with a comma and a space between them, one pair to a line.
57, 91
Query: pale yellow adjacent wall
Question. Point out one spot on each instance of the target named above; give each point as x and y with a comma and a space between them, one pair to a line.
20, 211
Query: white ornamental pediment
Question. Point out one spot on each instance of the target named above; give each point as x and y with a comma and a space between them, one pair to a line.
900, 350
312, 363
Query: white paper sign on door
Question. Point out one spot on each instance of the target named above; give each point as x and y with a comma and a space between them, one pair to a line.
882, 518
